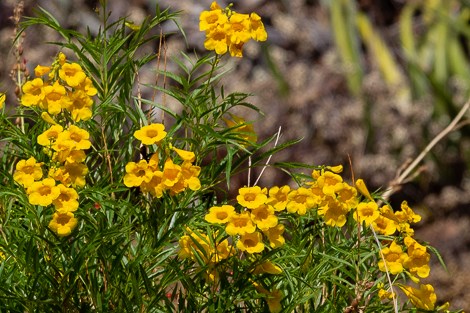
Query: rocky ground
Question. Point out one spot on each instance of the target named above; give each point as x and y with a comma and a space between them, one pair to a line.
306, 94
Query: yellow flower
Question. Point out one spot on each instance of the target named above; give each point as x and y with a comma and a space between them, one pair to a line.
80, 106
171, 173
252, 197
210, 19
263, 216
189, 176
384, 225
78, 136
155, 185
361, 186
54, 98
394, 258
185, 155
274, 301
278, 197
240, 224
87, 87
47, 118
72, 73
383, 293
240, 26
422, 298
236, 50
67, 201
75, 173
33, 92
151, 134
267, 267
244, 129
217, 39
61, 58
407, 214
275, 236
300, 201
137, 173
328, 182
220, 214
257, 30
366, 212
49, 137
347, 195
63, 223
43, 192
3, 98
41, 70
333, 212
418, 258
27, 171
251, 242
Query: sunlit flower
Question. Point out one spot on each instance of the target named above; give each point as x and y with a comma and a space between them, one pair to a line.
220, 214
49, 137
43, 192
72, 73
252, 197
300, 201
244, 129
185, 155
155, 185
33, 92
366, 212
217, 39
240, 224
278, 197
384, 226
251, 242
394, 258
54, 98
333, 212
347, 195
171, 173
137, 173
361, 186
240, 26
257, 30
422, 298
63, 223
275, 236
75, 172
151, 134
79, 106
383, 293
67, 201
78, 136
41, 70
210, 19
87, 87
418, 258
27, 171
263, 216
328, 181
407, 214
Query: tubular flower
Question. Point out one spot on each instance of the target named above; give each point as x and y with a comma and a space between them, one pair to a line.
211, 19
171, 173
333, 212
33, 92
422, 298
384, 226
278, 197
80, 106
347, 194
407, 214
185, 155
275, 236
63, 223
75, 173
194, 243
366, 212
189, 176
87, 87
245, 129
240, 224
54, 98
41, 70
3, 98
251, 242
67, 201
151, 134
49, 137
418, 258
217, 39
155, 185
264, 217
72, 73
78, 137
220, 214
137, 173
300, 201
43, 192
267, 267
394, 258
27, 171
258, 32
239, 28
252, 197
328, 182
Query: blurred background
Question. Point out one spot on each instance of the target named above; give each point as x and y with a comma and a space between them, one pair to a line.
373, 81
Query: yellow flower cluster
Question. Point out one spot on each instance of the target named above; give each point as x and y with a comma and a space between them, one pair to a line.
66, 89
227, 30
154, 179
3, 98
